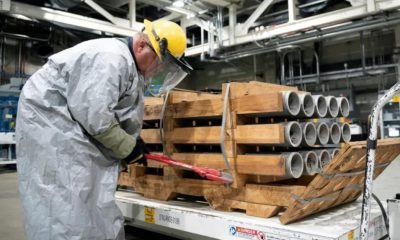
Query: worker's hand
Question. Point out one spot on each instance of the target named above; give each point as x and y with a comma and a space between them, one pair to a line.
137, 154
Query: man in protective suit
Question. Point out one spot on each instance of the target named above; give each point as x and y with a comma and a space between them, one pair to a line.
79, 117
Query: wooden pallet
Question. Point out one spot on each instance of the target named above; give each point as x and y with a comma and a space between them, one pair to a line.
340, 182
191, 128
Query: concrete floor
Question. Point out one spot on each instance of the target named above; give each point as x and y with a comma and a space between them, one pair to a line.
11, 223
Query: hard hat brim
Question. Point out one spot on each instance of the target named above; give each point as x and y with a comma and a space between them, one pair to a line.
148, 28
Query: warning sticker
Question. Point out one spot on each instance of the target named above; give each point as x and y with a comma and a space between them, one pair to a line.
246, 233
149, 215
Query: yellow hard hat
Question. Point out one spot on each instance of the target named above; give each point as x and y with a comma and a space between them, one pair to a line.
166, 32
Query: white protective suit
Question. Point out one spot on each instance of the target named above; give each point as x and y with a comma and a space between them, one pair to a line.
67, 175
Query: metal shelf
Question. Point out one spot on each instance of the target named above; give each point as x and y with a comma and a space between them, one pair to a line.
7, 138
6, 162
191, 220
391, 120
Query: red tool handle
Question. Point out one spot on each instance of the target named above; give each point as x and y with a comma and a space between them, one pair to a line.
209, 173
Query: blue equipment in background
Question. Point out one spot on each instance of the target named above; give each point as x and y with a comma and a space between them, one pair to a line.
8, 113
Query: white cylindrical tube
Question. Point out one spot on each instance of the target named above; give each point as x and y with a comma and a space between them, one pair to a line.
322, 133
344, 106
307, 105
321, 106
293, 134
333, 107
309, 134
294, 164
345, 132
323, 158
334, 152
291, 103
334, 133
311, 160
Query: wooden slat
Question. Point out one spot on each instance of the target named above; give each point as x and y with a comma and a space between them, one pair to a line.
149, 101
272, 195
244, 134
270, 165
259, 179
238, 89
201, 108
252, 209
197, 135
181, 96
273, 87
260, 134
261, 103
152, 112
211, 160
151, 136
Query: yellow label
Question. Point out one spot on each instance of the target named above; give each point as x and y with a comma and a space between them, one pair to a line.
396, 99
350, 235
149, 215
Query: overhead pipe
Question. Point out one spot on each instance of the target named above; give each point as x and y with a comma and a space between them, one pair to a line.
283, 78
346, 73
300, 64
333, 107
22, 36
334, 133
317, 67
211, 49
344, 106
310, 159
322, 133
321, 106
362, 45
329, 33
294, 164
2, 57
65, 3
309, 134
307, 105
219, 24
323, 158
324, 34
345, 135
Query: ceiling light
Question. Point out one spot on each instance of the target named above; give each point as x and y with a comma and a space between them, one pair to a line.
178, 3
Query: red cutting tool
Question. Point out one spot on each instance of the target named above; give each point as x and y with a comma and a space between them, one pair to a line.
204, 172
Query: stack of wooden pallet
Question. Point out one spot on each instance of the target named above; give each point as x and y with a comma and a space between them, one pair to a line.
280, 144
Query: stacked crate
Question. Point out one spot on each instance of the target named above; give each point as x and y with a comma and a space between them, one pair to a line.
273, 166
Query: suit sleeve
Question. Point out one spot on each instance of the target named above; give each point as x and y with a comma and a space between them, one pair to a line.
96, 84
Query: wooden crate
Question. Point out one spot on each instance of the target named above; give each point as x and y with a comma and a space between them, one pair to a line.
191, 130
193, 120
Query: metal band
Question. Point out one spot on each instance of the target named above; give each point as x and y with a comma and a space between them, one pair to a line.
162, 115
223, 125
371, 144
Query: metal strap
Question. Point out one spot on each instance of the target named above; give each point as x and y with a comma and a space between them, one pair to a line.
371, 144
162, 115
223, 125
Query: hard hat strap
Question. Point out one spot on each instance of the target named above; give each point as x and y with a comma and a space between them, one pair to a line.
163, 43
